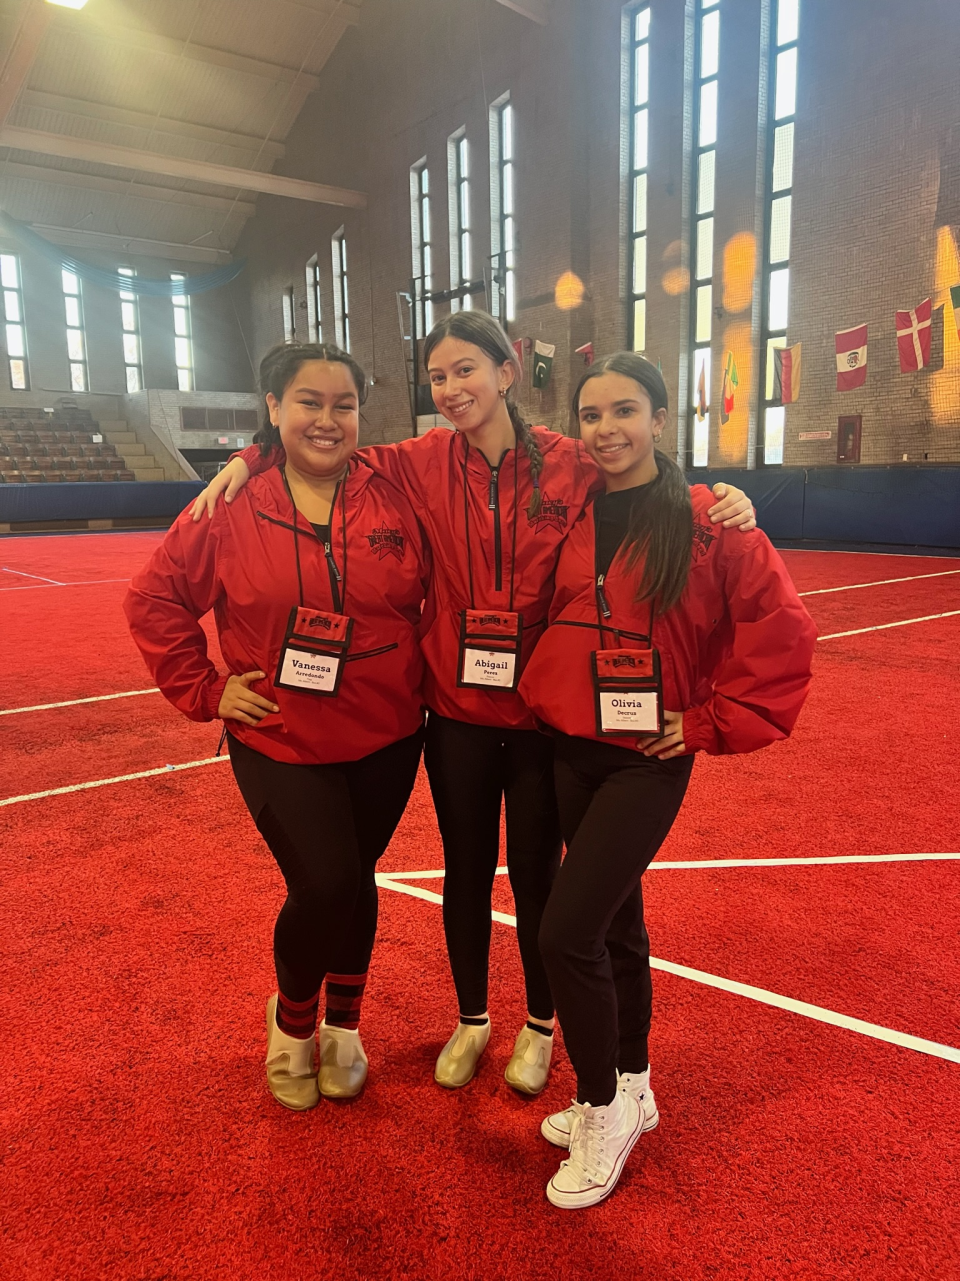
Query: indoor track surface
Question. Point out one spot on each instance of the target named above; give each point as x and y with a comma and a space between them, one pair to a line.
804, 914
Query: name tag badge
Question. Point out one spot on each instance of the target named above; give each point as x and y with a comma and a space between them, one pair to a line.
489, 649
628, 692
313, 651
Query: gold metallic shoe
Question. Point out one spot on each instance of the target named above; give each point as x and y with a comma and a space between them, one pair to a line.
529, 1065
291, 1074
456, 1069
343, 1063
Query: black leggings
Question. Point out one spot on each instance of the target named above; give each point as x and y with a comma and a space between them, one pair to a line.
326, 825
616, 808
472, 770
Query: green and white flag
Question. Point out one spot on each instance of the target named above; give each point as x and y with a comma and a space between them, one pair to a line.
543, 353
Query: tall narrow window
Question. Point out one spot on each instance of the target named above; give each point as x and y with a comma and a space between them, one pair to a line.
503, 212
76, 340
639, 158
421, 241
314, 309
784, 36
341, 295
183, 336
130, 324
289, 315
15, 328
706, 68
461, 264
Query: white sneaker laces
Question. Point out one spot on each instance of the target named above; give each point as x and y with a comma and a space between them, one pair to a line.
588, 1136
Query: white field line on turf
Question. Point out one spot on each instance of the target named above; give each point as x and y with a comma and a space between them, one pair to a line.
434, 875
75, 702
92, 582
760, 994
882, 627
23, 574
104, 782
880, 582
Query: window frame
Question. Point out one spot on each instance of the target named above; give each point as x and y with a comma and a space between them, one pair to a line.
421, 243
461, 231
503, 220
314, 300
186, 373
130, 299
637, 299
341, 288
775, 336
77, 367
19, 325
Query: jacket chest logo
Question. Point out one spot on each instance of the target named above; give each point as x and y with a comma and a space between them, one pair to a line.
703, 537
552, 515
386, 542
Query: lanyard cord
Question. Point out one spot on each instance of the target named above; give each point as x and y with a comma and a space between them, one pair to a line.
296, 535
466, 521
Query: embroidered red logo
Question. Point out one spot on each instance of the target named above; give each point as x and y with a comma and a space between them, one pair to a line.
552, 515
387, 542
703, 537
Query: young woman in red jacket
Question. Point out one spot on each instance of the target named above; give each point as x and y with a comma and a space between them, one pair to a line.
667, 636
316, 574
497, 498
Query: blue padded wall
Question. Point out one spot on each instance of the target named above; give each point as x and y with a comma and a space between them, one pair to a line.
96, 500
901, 506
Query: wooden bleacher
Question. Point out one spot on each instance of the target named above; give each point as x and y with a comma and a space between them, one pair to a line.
54, 448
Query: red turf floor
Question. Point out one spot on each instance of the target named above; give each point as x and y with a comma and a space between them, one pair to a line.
139, 1140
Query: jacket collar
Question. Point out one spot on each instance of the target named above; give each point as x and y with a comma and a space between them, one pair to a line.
269, 495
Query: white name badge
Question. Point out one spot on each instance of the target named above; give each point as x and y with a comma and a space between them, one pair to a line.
301, 669
490, 669
630, 713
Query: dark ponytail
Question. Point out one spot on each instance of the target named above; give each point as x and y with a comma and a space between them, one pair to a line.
480, 328
660, 533
278, 369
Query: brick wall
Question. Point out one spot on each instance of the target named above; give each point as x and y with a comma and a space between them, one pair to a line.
877, 122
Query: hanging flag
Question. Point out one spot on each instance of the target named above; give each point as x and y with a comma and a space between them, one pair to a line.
955, 299
913, 337
518, 348
731, 381
702, 394
786, 375
586, 351
851, 358
543, 353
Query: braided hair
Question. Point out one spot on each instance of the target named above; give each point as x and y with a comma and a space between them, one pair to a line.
280, 366
483, 331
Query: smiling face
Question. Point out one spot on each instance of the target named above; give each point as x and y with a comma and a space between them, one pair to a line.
618, 427
466, 383
318, 418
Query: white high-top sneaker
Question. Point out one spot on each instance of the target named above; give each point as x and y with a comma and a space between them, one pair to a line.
556, 1128
601, 1139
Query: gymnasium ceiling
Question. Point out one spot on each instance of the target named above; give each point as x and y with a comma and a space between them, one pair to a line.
195, 88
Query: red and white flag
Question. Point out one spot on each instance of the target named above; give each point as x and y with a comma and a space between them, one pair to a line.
851, 358
914, 329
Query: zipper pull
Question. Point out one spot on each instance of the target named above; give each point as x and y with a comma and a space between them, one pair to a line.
328, 551
604, 606
492, 502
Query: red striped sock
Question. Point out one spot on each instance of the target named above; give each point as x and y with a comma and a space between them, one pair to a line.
297, 1018
344, 998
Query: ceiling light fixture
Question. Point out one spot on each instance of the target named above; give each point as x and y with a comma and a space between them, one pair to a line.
68, 4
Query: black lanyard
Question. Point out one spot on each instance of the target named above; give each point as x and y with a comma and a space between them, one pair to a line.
341, 579
603, 607
466, 517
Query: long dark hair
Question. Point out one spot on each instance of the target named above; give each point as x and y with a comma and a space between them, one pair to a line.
280, 366
480, 328
660, 533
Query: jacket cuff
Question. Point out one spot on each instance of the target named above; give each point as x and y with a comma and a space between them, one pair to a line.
699, 732
211, 696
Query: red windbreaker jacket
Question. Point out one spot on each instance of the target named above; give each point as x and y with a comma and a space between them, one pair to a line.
487, 553
735, 653
242, 564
